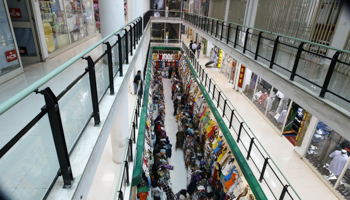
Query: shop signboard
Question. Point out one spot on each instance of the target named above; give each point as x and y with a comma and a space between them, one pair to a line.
15, 12
241, 76
11, 55
220, 58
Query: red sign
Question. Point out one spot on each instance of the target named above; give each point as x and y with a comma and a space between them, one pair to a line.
15, 12
22, 50
241, 76
11, 55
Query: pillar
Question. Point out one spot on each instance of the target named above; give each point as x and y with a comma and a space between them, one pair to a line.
120, 129
111, 16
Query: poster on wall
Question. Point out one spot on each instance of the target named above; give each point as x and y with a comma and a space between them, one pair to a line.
220, 58
241, 76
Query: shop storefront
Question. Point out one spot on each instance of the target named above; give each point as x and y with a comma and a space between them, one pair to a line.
228, 68
66, 22
328, 154
10, 64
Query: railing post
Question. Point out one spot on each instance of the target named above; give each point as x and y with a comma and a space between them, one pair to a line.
239, 132
263, 170
223, 112
216, 29
126, 46
214, 91
236, 36
207, 27
136, 119
274, 52
245, 40
296, 61
228, 33
120, 196
110, 68
209, 86
130, 147
203, 74
54, 115
222, 30
329, 74
134, 130
218, 99
250, 148
231, 118
212, 26
135, 35
126, 167
120, 55
206, 78
284, 191
93, 88
257, 46
131, 40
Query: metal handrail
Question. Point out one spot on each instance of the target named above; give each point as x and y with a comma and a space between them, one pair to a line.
241, 119
277, 34
33, 87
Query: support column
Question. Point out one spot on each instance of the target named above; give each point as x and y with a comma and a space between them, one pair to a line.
120, 128
227, 10
111, 16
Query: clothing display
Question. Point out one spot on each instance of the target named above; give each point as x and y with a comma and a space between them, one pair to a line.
212, 170
339, 159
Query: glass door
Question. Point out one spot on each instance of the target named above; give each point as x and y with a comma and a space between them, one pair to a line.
25, 32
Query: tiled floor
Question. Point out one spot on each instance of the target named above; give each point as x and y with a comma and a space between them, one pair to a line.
302, 178
179, 174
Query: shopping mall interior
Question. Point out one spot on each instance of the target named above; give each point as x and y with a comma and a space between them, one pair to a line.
175, 99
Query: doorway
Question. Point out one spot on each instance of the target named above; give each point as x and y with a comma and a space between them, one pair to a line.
22, 18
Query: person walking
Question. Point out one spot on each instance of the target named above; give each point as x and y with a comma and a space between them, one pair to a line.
194, 48
137, 80
198, 50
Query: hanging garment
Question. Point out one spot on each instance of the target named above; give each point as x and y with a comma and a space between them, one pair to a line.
282, 116
227, 169
338, 162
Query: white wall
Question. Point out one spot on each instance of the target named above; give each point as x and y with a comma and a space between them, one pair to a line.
342, 30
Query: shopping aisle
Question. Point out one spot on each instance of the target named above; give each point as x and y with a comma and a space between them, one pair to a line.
179, 174
302, 178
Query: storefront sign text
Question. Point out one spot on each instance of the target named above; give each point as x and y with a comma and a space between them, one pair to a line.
15, 12
11, 55
241, 76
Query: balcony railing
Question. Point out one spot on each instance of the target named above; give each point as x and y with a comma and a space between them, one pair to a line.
47, 136
314, 66
263, 167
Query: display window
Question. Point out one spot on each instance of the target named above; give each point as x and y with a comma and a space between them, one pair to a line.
328, 153
262, 94
228, 68
66, 21
8, 54
296, 124
249, 89
277, 108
